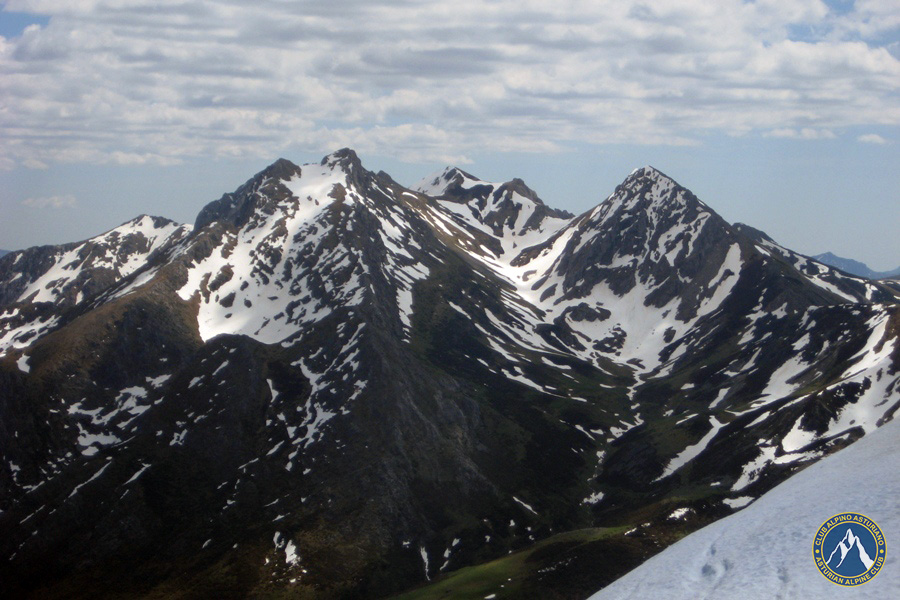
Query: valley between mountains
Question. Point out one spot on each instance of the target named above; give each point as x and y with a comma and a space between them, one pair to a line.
334, 386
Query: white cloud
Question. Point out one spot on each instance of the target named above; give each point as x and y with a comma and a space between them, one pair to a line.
872, 138
872, 18
116, 81
31, 163
801, 134
54, 202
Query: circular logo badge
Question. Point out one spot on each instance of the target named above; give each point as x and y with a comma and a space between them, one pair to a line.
849, 549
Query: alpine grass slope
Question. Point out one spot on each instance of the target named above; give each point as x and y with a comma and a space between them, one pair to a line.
333, 386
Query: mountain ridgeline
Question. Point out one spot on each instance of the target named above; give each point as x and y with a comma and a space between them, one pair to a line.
334, 386
854, 267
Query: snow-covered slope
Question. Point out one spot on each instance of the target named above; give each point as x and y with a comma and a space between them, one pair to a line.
764, 551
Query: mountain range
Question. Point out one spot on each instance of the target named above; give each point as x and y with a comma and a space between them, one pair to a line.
335, 386
854, 267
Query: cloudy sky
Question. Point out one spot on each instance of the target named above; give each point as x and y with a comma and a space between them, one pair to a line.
784, 114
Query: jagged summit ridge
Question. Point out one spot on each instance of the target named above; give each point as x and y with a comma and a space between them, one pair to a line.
648, 171
510, 211
345, 158
236, 207
276, 242
438, 183
272, 185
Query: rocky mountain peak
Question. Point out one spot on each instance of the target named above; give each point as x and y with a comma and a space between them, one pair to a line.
648, 171
282, 169
260, 190
507, 209
518, 186
646, 176
451, 182
647, 188
648, 204
49, 278
347, 161
345, 158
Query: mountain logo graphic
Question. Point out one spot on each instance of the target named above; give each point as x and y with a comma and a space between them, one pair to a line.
849, 549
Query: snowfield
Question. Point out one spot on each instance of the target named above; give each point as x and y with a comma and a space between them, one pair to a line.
765, 551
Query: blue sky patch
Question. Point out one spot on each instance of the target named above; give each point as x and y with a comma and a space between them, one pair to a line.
12, 24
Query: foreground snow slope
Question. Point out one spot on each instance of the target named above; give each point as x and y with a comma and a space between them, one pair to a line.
765, 550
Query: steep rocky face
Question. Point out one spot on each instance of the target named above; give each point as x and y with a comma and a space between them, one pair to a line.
339, 387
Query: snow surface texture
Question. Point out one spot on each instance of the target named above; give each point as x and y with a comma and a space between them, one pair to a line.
765, 551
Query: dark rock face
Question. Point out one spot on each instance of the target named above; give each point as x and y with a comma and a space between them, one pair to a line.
261, 194
336, 387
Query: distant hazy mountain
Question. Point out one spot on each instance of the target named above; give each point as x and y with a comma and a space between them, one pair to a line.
4, 252
854, 267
